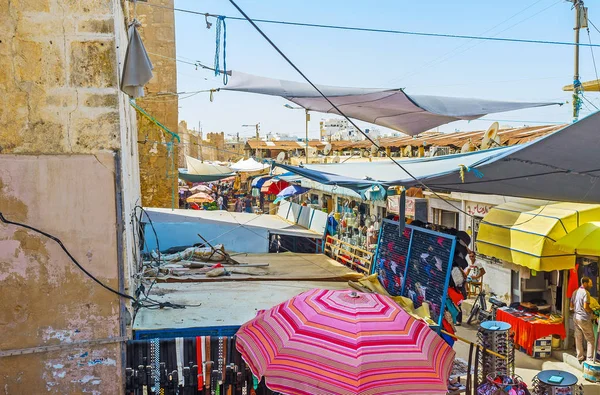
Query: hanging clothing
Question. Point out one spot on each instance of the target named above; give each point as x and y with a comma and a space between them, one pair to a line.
573, 283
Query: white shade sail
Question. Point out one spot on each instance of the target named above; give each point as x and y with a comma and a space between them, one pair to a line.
391, 108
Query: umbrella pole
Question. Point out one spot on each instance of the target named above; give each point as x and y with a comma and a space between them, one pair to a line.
476, 345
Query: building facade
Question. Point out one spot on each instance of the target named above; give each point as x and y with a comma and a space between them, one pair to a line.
68, 167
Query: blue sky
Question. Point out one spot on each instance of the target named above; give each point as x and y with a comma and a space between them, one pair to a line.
437, 66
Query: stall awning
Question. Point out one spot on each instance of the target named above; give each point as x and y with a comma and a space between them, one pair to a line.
526, 234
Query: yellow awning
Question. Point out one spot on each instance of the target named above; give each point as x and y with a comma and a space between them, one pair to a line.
589, 86
525, 234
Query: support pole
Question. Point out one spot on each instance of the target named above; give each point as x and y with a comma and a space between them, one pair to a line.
578, 6
307, 120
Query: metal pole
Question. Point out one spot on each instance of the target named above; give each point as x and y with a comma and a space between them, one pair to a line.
307, 119
578, 5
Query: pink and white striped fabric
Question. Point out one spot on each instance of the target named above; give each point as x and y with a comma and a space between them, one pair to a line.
344, 343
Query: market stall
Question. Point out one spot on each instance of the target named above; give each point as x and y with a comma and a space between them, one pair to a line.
524, 238
533, 332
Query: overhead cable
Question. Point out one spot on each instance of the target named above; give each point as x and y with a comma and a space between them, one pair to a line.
387, 31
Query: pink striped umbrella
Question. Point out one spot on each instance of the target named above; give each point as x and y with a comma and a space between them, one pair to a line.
341, 342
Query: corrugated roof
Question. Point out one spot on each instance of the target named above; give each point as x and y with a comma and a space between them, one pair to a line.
456, 140
284, 145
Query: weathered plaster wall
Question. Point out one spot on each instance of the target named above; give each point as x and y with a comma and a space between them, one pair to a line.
46, 299
158, 161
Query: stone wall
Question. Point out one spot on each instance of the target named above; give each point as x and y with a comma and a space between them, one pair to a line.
158, 158
68, 165
190, 143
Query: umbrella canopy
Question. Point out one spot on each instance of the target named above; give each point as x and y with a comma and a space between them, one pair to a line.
273, 187
200, 197
201, 188
341, 342
584, 240
259, 181
292, 190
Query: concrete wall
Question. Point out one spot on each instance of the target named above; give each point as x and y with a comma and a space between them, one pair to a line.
69, 166
46, 299
159, 160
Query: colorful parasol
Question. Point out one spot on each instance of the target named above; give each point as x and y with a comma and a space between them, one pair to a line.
290, 191
200, 197
273, 187
343, 342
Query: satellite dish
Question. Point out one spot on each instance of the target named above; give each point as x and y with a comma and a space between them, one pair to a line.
374, 149
312, 151
467, 147
327, 149
365, 153
407, 151
336, 159
281, 157
490, 137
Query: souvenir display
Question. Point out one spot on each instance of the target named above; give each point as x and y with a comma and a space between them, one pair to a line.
556, 382
416, 264
203, 365
498, 384
496, 336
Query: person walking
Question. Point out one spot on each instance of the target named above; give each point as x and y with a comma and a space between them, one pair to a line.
582, 317
220, 202
238, 205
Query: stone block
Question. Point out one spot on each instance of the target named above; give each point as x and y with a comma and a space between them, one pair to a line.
93, 64
43, 136
92, 134
31, 5
96, 26
39, 62
100, 100
99, 7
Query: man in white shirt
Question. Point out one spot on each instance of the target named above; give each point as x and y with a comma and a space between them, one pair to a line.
582, 318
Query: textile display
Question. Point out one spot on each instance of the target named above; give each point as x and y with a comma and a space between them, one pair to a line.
391, 257
202, 365
426, 277
526, 332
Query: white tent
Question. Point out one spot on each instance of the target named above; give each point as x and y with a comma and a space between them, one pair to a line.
248, 165
198, 171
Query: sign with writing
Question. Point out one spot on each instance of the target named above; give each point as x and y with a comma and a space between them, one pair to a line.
477, 209
393, 205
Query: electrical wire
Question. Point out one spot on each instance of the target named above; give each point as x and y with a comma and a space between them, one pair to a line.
66, 251
443, 58
387, 31
335, 107
593, 58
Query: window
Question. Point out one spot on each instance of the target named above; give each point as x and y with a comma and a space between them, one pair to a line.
449, 219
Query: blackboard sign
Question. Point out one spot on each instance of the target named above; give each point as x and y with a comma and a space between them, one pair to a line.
415, 264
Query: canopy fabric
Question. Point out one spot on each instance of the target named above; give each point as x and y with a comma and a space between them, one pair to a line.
290, 191
526, 234
258, 182
391, 108
201, 188
273, 187
248, 165
366, 337
200, 197
556, 167
585, 240
137, 67
199, 171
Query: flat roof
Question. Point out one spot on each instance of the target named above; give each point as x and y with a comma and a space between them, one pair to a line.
221, 304
273, 223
